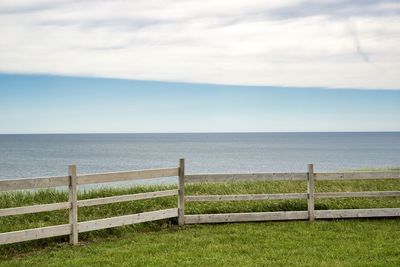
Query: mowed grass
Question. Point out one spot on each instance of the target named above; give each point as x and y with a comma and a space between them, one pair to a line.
324, 243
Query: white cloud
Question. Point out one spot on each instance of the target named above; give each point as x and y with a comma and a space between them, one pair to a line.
349, 44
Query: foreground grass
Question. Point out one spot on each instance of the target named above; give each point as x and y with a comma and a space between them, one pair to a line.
351, 242
322, 243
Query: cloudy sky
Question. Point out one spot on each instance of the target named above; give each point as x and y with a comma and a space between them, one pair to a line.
334, 44
69, 66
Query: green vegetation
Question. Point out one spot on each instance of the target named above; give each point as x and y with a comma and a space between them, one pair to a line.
322, 243
326, 243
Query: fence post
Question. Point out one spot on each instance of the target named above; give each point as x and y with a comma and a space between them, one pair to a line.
181, 198
73, 211
310, 191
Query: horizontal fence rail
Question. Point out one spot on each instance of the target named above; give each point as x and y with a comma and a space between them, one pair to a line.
35, 209
290, 215
73, 180
299, 176
244, 177
126, 176
125, 198
358, 194
246, 217
127, 220
33, 234
33, 183
357, 175
357, 213
245, 197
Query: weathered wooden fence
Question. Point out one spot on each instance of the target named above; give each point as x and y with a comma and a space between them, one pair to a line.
310, 214
73, 180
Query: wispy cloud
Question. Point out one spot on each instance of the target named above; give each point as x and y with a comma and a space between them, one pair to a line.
254, 42
354, 35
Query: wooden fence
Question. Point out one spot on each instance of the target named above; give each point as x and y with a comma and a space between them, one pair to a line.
310, 214
73, 180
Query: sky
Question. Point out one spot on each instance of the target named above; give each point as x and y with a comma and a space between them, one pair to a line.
300, 43
55, 104
69, 66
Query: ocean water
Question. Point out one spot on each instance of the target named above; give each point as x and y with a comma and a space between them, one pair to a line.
50, 154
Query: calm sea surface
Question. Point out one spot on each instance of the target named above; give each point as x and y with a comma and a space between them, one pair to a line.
46, 155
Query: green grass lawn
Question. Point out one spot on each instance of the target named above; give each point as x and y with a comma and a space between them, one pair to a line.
322, 243
374, 242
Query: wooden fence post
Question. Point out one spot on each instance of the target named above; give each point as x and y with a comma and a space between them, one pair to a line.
310, 191
73, 211
181, 197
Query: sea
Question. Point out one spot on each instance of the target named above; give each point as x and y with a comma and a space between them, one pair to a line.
41, 155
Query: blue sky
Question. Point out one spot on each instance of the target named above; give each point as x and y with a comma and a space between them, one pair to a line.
55, 104
199, 66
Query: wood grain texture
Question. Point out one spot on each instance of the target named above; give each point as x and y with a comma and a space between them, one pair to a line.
125, 198
357, 213
126, 176
357, 175
73, 199
181, 198
33, 234
127, 220
34, 209
358, 194
246, 197
310, 192
33, 183
207, 178
246, 217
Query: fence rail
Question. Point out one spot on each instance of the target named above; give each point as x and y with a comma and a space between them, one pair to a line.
246, 217
126, 176
125, 198
245, 197
127, 220
33, 183
357, 175
35, 209
290, 215
207, 178
73, 180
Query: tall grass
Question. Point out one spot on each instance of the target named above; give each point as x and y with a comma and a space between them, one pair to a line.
24, 198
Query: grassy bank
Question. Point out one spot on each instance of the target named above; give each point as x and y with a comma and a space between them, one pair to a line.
278, 243
322, 243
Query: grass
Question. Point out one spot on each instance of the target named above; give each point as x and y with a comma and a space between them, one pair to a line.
323, 243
